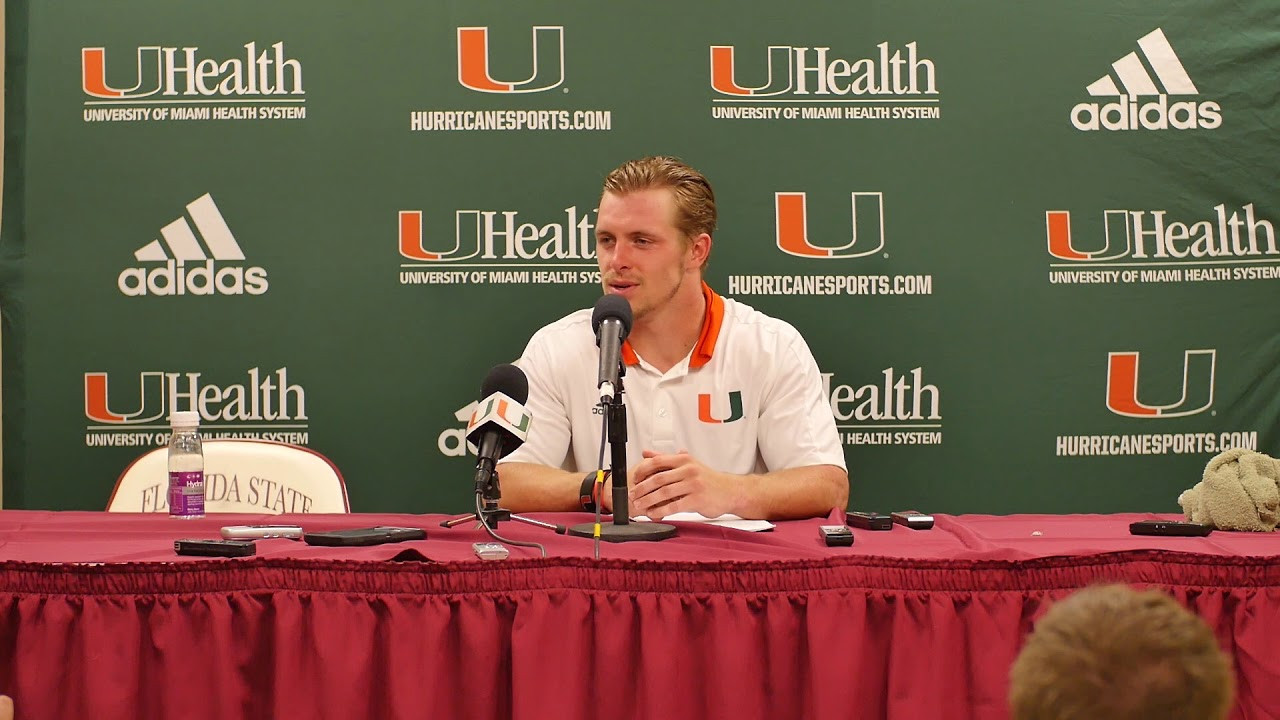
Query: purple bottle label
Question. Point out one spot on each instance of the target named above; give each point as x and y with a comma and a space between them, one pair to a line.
186, 494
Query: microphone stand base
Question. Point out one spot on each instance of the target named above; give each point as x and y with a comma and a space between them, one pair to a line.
493, 515
631, 532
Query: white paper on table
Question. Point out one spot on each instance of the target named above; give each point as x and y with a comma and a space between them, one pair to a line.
726, 520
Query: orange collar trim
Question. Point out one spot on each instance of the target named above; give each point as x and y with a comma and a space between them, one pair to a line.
706, 345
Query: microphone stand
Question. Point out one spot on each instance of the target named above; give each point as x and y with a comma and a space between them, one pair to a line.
622, 529
488, 493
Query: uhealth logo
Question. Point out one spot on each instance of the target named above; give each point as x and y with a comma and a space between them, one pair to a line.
499, 246
1197, 386
1153, 73
546, 68
186, 268
900, 408
172, 71
1150, 234
500, 234
792, 226
787, 82
262, 396
811, 71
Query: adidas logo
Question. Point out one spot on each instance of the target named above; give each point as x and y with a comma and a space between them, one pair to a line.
453, 441
187, 269
1153, 72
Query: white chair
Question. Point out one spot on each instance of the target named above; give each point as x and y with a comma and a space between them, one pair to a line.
240, 476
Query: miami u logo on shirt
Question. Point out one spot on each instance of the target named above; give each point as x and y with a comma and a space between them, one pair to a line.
735, 408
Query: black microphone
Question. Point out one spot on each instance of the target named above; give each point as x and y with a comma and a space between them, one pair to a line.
500, 422
611, 322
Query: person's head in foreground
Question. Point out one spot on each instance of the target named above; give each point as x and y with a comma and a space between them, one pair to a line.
1114, 653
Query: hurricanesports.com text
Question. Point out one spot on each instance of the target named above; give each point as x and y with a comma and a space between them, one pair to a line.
428, 120
830, 285
1163, 444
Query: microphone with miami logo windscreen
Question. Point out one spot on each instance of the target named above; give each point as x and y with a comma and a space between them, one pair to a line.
611, 322
500, 422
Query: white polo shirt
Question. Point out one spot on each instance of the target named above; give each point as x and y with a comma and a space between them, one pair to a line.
747, 399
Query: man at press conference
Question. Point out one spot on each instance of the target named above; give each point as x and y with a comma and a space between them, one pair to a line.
725, 407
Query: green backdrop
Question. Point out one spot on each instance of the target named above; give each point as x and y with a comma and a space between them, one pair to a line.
323, 223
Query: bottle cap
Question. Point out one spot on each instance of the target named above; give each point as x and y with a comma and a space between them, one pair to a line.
185, 418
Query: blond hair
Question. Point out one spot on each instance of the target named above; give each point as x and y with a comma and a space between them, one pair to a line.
695, 201
1114, 653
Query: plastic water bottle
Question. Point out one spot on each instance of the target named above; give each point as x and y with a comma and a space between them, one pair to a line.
186, 466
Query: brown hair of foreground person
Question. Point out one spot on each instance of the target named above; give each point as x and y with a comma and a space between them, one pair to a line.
1114, 653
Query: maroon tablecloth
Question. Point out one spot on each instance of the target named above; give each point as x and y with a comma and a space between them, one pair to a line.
99, 618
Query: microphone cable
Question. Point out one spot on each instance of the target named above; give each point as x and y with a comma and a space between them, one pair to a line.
494, 533
604, 433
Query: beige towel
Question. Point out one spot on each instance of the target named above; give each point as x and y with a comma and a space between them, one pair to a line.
1240, 491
